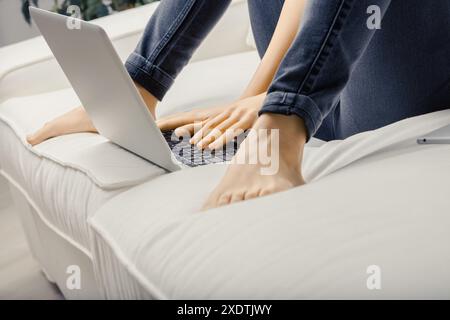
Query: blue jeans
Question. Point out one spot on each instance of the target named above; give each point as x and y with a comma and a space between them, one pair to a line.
339, 76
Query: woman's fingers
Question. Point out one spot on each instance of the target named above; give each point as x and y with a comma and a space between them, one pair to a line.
213, 134
216, 132
187, 130
177, 120
228, 135
208, 126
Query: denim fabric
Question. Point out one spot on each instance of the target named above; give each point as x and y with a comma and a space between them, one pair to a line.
339, 76
170, 38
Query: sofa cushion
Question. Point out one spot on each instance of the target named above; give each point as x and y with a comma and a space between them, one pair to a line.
69, 177
375, 201
24, 64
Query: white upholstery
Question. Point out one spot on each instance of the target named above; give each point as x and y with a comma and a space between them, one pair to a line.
24, 64
377, 198
71, 176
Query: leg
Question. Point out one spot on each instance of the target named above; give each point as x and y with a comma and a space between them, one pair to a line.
264, 17
171, 37
307, 86
319, 64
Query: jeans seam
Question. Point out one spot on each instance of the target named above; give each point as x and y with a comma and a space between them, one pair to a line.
283, 100
152, 67
293, 111
290, 108
333, 117
322, 48
171, 31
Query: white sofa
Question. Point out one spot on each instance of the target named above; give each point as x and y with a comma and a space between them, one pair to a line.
135, 232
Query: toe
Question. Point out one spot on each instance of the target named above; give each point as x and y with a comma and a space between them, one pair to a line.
237, 197
39, 136
224, 200
35, 138
30, 139
266, 191
212, 201
251, 194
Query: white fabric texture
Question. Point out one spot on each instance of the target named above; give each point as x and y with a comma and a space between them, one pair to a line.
69, 177
251, 39
376, 198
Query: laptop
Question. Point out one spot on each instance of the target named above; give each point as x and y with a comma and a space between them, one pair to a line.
108, 94
440, 136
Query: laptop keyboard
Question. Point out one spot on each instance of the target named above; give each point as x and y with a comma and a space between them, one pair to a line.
192, 156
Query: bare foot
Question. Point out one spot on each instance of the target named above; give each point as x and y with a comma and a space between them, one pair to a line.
78, 120
246, 181
74, 121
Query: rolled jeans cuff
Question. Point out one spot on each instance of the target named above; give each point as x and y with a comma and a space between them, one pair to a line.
287, 103
149, 76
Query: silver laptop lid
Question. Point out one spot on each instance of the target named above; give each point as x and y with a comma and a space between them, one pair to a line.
103, 86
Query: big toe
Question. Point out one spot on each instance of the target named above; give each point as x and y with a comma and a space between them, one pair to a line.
31, 139
36, 137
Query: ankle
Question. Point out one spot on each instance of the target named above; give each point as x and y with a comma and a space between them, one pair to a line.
148, 98
292, 134
291, 127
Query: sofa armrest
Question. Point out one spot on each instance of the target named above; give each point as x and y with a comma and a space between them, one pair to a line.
29, 67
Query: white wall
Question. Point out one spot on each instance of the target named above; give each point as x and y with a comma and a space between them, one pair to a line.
13, 27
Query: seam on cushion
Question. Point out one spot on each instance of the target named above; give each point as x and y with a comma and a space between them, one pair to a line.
24, 65
42, 216
51, 57
322, 48
54, 222
88, 173
129, 267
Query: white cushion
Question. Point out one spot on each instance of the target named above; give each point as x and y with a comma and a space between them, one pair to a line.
69, 177
251, 39
376, 198
29, 67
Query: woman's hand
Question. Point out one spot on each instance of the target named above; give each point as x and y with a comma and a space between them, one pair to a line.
214, 127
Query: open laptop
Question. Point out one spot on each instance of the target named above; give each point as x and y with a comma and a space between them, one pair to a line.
440, 136
110, 97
